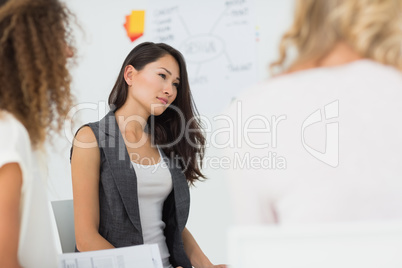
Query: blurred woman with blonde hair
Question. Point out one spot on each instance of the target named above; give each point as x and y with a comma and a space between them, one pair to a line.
34, 101
330, 33
332, 119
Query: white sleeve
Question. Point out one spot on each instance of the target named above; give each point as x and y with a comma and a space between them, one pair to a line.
13, 142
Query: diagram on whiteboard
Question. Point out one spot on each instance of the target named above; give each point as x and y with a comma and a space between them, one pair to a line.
217, 39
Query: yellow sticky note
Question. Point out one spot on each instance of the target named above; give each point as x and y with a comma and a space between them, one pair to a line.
135, 23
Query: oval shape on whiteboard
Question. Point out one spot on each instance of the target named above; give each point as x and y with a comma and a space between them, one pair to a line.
202, 48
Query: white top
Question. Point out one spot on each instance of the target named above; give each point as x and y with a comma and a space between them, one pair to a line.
37, 247
334, 149
154, 186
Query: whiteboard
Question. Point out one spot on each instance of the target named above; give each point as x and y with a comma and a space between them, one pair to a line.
103, 44
217, 39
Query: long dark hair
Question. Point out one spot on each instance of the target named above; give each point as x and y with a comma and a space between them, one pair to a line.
166, 129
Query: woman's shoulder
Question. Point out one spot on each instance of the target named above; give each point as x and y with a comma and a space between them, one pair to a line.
361, 67
85, 136
7, 119
362, 71
15, 145
11, 129
376, 70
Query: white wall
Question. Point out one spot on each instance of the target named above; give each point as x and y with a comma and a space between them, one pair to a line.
102, 46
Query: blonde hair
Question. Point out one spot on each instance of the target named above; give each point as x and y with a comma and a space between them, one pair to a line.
372, 28
34, 80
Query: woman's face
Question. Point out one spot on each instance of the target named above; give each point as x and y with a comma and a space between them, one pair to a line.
154, 87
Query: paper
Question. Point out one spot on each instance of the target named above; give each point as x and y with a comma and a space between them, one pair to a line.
144, 256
